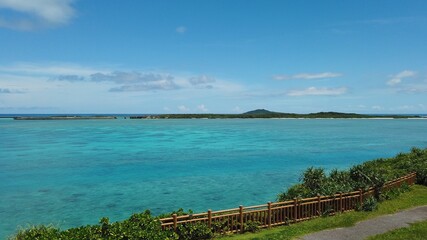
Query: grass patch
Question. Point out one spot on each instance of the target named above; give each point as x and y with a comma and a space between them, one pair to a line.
416, 197
417, 231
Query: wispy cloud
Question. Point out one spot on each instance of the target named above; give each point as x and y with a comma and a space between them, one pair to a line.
135, 81
149, 86
70, 78
35, 14
413, 88
50, 69
202, 81
318, 91
181, 29
202, 108
396, 79
183, 108
9, 91
307, 76
119, 80
383, 21
237, 109
377, 107
121, 77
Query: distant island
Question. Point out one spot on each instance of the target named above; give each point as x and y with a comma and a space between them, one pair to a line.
65, 118
263, 113
258, 113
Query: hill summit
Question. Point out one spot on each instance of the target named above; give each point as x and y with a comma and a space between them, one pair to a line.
259, 112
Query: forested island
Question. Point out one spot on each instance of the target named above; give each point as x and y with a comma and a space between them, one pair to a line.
66, 118
262, 113
259, 113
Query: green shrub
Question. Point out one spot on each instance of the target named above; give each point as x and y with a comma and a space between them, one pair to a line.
369, 174
179, 212
138, 226
40, 232
251, 226
314, 178
370, 204
295, 191
196, 231
220, 227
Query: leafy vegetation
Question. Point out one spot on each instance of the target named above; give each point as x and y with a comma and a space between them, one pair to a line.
138, 226
194, 231
262, 113
405, 199
373, 173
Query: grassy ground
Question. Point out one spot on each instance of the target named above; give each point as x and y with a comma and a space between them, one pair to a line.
416, 197
417, 231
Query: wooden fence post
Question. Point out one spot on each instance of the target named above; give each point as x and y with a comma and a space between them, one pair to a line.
210, 218
295, 209
175, 222
361, 197
269, 214
241, 218
341, 208
319, 205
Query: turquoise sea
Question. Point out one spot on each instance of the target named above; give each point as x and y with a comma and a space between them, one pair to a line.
74, 172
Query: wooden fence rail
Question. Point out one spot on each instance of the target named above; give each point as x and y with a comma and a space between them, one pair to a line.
281, 213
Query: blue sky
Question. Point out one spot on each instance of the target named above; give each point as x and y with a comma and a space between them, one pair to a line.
217, 56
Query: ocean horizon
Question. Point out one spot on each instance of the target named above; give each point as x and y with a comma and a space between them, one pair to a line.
11, 115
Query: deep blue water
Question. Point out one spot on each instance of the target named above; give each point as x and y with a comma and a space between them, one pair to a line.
71, 173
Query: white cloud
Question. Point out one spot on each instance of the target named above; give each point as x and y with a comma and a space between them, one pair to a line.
10, 91
149, 86
181, 29
202, 79
413, 88
183, 108
406, 107
396, 79
237, 109
70, 88
318, 91
135, 81
52, 69
202, 108
119, 80
376, 107
307, 76
36, 13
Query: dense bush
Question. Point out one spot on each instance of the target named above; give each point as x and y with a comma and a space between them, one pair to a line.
138, 226
373, 173
196, 230
251, 226
370, 204
394, 192
38, 232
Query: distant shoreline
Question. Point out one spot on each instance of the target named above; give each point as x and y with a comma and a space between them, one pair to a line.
256, 114
211, 118
66, 118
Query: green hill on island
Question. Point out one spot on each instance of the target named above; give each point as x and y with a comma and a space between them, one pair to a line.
263, 113
260, 111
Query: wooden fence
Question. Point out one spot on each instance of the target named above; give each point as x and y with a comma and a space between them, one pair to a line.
281, 213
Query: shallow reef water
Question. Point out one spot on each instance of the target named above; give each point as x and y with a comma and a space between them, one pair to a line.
71, 173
